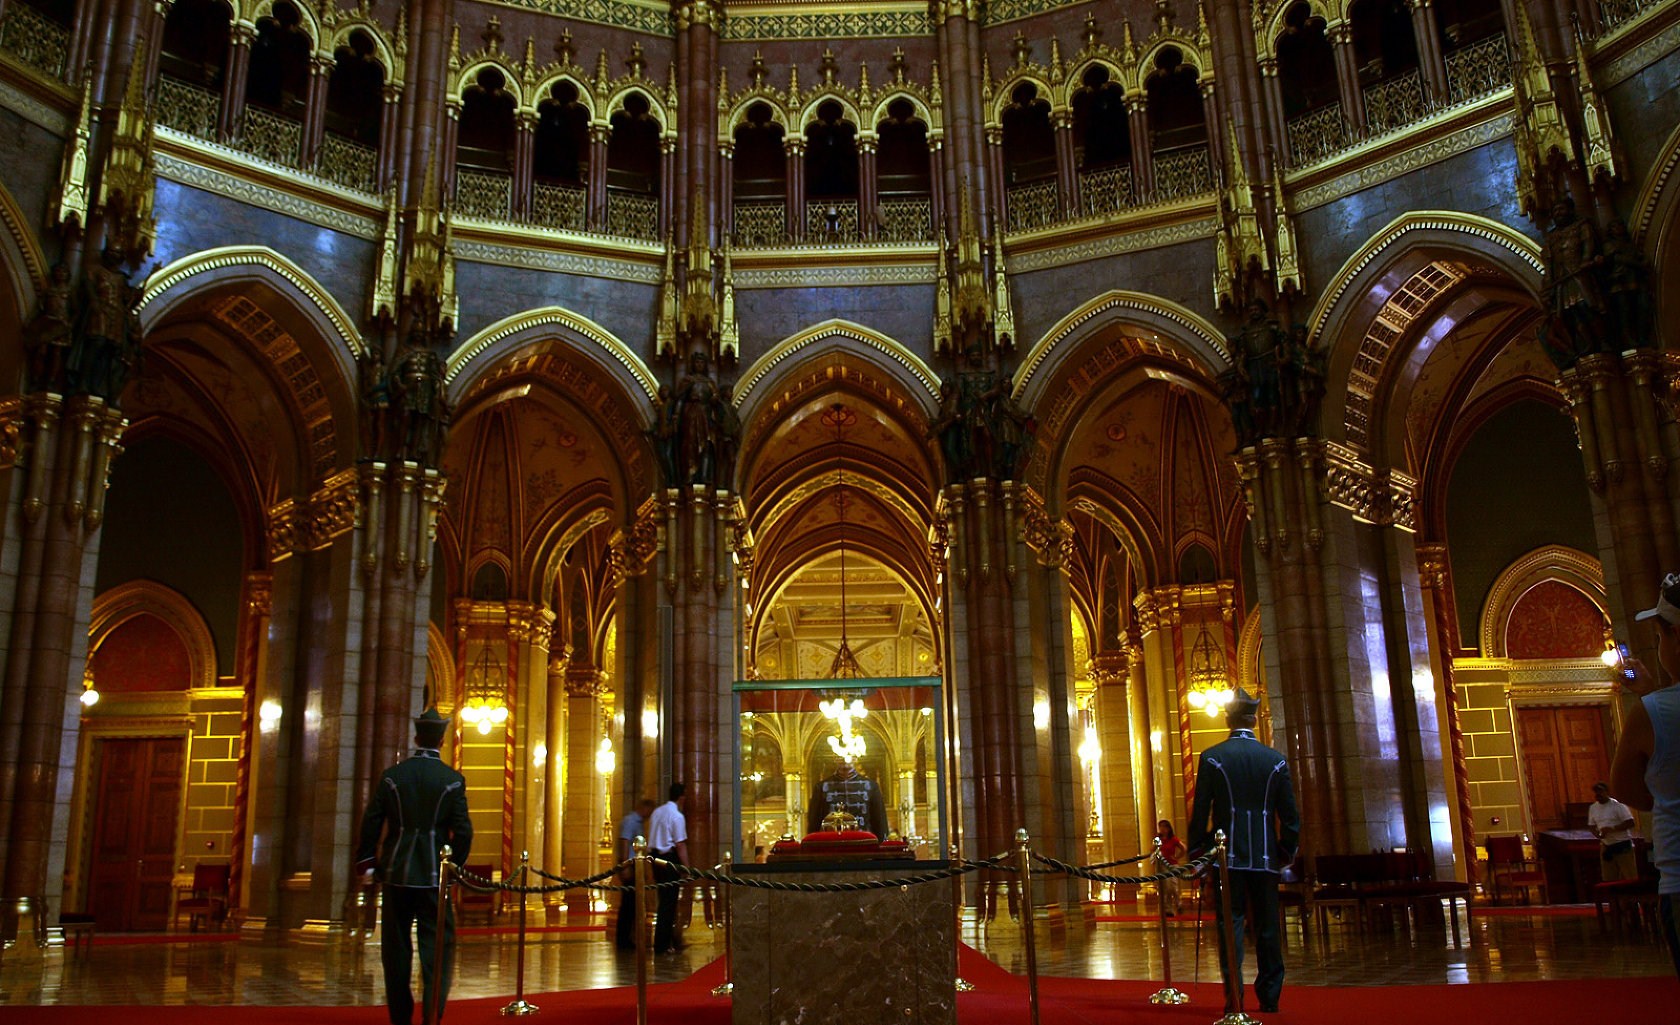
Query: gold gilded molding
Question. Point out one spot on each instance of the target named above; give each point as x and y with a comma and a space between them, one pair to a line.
760, 368
1449, 142
267, 186
1155, 307
575, 323
588, 255
1059, 244
1548, 562
165, 278
144, 597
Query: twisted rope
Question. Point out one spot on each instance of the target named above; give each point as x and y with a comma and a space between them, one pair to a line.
934, 876
484, 884
1145, 856
1177, 872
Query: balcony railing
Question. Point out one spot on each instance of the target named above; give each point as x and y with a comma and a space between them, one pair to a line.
1317, 134
271, 137
559, 206
633, 215
1618, 12
1481, 68
347, 163
485, 194
1030, 206
1106, 191
189, 109
1183, 172
832, 223
1395, 102
760, 224
905, 220
35, 39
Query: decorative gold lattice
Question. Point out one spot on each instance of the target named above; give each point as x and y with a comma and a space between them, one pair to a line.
558, 206
486, 194
187, 108
34, 39
1394, 103
1482, 67
350, 164
1317, 134
1107, 190
844, 227
1183, 172
1614, 13
271, 137
633, 215
1031, 206
906, 220
760, 224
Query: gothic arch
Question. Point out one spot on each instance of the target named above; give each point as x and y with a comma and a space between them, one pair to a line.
848, 111
569, 526
737, 115
25, 268
656, 107
898, 92
585, 95
479, 354
468, 77
764, 379
1548, 562
343, 30
144, 597
1003, 93
1656, 228
1270, 27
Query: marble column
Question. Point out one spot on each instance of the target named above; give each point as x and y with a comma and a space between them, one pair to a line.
595, 191
390, 119
1128, 808
251, 663
1435, 578
1143, 160
1347, 75
869, 186
524, 146
581, 828
240, 36
529, 628
554, 774
315, 111
1433, 63
1277, 124
794, 147
51, 546
1067, 163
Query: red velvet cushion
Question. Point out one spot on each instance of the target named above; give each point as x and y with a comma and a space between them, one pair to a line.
831, 838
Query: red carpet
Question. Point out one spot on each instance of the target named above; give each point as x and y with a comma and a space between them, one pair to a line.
1000, 999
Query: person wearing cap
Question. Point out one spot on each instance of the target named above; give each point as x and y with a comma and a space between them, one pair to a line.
1243, 787
1645, 770
418, 806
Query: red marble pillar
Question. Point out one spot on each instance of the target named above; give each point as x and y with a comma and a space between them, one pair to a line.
240, 35
1277, 126
390, 120
1067, 169
595, 197
794, 147
315, 111
55, 523
1426, 27
1347, 76
524, 146
869, 187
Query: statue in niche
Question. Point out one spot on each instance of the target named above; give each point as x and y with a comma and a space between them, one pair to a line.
1627, 277
975, 391
100, 341
1261, 347
663, 435
948, 429
1570, 287
416, 384
726, 426
696, 396
375, 387
47, 336
1010, 427
1234, 389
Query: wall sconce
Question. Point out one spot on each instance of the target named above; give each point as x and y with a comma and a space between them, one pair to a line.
486, 682
605, 759
90, 693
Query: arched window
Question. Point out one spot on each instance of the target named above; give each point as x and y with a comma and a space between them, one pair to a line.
1306, 75
37, 32
560, 159
633, 170
355, 107
1473, 43
277, 86
903, 175
1385, 52
193, 67
484, 147
1029, 159
831, 176
759, 179
1178, 131
1102, 142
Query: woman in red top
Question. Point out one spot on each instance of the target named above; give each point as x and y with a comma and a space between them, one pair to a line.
1172, 852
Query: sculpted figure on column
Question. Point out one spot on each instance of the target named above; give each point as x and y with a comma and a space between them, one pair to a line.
47, 335
1627, 280
417, 390
696, 396
1571, 288
101, 341
1261, 347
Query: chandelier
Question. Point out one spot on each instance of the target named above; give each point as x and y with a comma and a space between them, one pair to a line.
845, 665
485, 707
1210, 685
849, 745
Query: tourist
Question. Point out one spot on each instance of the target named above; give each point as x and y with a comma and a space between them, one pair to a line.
1612, 822
633, 825
667, 838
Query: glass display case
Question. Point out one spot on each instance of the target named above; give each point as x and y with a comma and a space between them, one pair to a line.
870, 746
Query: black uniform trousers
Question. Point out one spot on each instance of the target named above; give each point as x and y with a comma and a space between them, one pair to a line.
1254, 901
665, 914
626, 934
413, 908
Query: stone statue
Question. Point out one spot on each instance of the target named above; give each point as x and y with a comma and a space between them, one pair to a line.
376, 403
975, 391
726, 425
416, 384
1261, 347
1234, 389
97, 350
696, 445
47, 336
948, 428
1570, 287
663, 435
1627, 277
1010, 428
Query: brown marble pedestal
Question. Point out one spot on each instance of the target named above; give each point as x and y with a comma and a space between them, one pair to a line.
868, 957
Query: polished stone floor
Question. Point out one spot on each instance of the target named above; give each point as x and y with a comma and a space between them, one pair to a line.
335, 971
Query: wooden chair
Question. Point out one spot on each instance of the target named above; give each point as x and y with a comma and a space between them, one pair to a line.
207, 898
1510, 868
469, 900
1336, 882
1295, 893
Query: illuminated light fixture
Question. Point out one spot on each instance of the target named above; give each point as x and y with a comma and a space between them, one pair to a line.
1089, 748
539, 754
849, 745
605, 759
485, 707
90, 693
1210, 687
269, 712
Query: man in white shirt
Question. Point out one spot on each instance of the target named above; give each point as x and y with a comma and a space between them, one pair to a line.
632, 826
667, 836
1612, 822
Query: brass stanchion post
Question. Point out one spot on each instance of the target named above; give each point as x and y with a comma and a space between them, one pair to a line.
963, 985
439, 941
520, 1005
641, 875
1024, 849
1168, 993
1228, 942
727, 986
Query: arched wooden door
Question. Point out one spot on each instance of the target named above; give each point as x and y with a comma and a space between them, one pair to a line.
134, 829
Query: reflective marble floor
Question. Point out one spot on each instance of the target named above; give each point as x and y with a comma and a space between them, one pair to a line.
339, 972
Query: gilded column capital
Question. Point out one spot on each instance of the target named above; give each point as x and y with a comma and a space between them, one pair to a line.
1432, 565
259, 593
332, 509
584, 681
529, 623
1110, 667
11, 431
285, 530
1148, 612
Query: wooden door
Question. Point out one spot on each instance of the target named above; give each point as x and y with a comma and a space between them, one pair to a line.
1563, 753
132, 874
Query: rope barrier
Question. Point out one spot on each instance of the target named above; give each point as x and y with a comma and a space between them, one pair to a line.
1177, 872
938, 875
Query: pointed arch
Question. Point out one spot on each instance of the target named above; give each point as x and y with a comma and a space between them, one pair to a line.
1560, 563
586, 96
656, 106
758, 383
737, 115
468, 76
927, 115
344, 29
477, 354
25, 263
848, 110
149, 598
1004, 91
1269, 27
1163, 316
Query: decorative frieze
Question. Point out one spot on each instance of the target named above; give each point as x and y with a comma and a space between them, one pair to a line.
1383, 497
